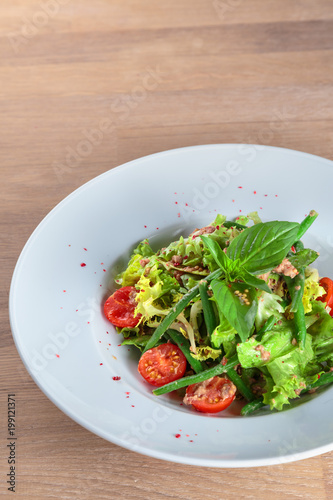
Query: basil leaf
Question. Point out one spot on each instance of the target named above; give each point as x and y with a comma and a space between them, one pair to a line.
252, 280
219, 256
263, 246
240, 314
303, 258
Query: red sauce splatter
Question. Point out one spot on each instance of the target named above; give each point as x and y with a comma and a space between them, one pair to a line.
83, 264
116, 378
85, 249
157, 228
276, 195
127, 393
260, 208
240, 210
57, 355
132, 406
69, 245
104, 270
178, 215
265, 194
233, 201
186, 204
187, 435
191, 440
145, 226
64, 290
176, 202
254, 192
177, 436
240, 187
100, 364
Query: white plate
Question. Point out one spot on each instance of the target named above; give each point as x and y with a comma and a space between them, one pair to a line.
72, 351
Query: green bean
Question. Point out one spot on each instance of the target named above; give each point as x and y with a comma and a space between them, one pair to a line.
252, 406
296, 289
266, 327
176, 310
306, 223
184, 346
237, 225
299, 318
208, 308
241, 386
195, 379
325, 378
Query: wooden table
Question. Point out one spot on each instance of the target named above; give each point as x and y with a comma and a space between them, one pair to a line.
166, 74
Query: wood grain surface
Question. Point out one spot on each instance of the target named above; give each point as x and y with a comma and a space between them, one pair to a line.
140, 77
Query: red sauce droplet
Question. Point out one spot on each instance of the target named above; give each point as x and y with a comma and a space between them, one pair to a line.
191, 440
104, 270
116, 378
64, 290
254, 192
83, 264
100, 364
132, 406
240, 187
144, 226
85, 249
176, 202
57, 355
177, 436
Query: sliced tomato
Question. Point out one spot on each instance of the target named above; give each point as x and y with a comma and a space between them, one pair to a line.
119, 307
327, 284
211, 396
162, 364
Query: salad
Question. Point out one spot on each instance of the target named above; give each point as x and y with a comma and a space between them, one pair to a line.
232, 311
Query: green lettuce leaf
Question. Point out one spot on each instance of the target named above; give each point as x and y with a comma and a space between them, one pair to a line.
288, 375
157, 292
206, 352
275, 343
268, 304
312, 289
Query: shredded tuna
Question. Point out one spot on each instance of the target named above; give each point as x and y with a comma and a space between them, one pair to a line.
177, 260
203, 230
144, 262
286, 268
265, 355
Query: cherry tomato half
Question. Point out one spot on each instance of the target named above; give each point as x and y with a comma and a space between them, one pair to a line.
327, 284
162, 364
119, 307
212, 395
